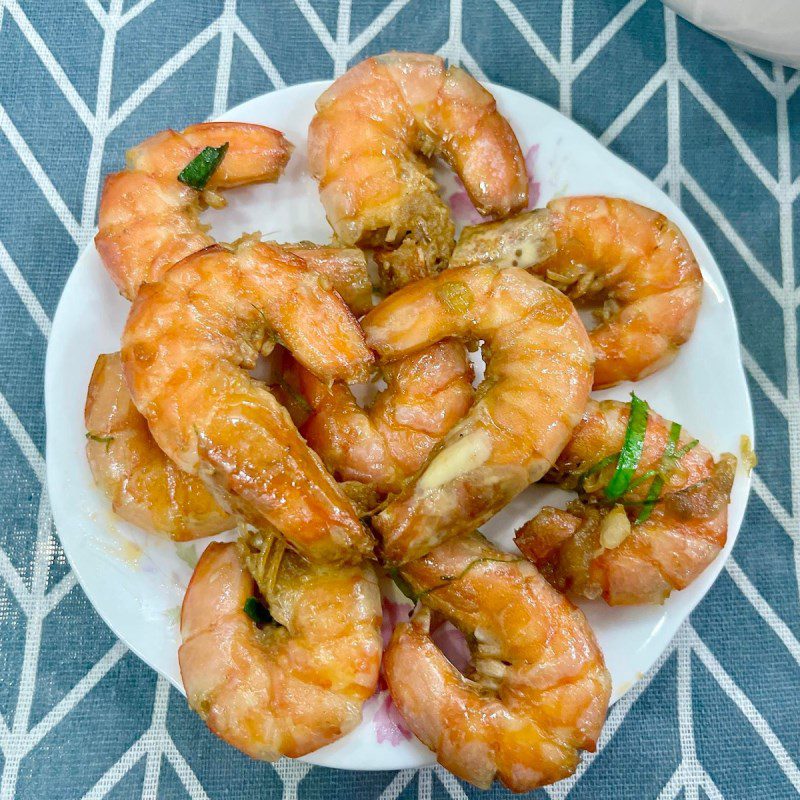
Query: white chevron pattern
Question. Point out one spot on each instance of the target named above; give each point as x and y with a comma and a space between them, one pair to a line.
18, 736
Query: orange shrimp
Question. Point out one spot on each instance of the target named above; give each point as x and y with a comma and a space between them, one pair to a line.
367, 146
187, 346
537, 689
596, 547
537, 381
426, 394
298, 680
145, 487
609, 252
148, 220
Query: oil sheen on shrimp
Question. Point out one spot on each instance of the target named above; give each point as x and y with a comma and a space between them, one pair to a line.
144, 486
536, 690
148, 220
536, 384
188, 344
296, 682
426, 394
628, 262
596, 548
368, 146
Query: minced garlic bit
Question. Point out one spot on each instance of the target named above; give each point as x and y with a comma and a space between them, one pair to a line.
615, 528
456, 459
214, 199
749, 457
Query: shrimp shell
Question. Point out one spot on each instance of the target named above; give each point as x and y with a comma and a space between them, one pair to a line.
683, 534
285, 689
609, 252
368, 144
536, 384
187, 345
537, 688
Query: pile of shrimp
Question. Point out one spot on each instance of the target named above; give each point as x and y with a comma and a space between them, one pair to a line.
281, 630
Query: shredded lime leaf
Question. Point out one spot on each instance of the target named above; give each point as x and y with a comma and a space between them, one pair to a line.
631, 449
257, 611
200, 169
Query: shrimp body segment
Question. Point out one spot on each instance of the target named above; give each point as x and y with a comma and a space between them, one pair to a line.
536, 384
295, 684
426, 394
145, 487
344, 267
628, 262
596, 548
188, 344
367, 144
148, 220
536, 691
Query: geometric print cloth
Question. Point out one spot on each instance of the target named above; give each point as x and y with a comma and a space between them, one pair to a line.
719, 130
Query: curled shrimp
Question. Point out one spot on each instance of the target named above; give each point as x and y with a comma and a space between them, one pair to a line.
426, 394
536, 384
631, 262
367, 146
296, 680
647, 543
536, 691
148, 220
187, 346
144, 486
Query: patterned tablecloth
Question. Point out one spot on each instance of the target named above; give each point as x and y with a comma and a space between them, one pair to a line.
79, 81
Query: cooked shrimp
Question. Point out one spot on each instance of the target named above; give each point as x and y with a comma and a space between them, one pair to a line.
536, 691
537, 381
148, 220
187, 346
368, 146
144, 486
297, 681
426, 394
630, 261
597, 547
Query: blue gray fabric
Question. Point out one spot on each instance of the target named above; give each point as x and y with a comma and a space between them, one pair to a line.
719, 130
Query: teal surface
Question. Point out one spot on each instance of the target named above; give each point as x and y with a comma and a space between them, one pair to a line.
720, 131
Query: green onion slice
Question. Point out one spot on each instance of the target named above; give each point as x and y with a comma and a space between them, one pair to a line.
257, 611
668, 458
631, 449
198, 171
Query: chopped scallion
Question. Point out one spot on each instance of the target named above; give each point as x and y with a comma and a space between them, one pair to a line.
257, 611
669, 457
632, 448
200, 169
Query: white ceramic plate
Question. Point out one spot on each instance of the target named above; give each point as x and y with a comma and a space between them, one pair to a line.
768, 28
136, 582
